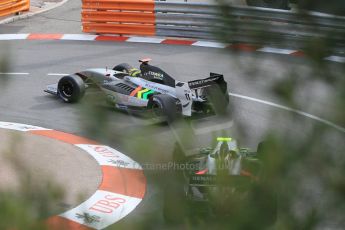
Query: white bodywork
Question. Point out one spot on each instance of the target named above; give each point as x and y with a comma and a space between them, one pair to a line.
181, 92
104, 76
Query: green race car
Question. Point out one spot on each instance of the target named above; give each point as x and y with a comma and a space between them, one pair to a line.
221, 183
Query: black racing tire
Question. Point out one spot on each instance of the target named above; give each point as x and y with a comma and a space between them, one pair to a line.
163, 108
71, 88
123, 67
277, 4
219, 101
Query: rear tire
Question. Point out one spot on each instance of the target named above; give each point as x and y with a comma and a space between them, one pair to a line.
277, 4
163, 108
123, 67
71, 88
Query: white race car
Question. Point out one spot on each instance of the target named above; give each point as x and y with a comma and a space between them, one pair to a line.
149, 88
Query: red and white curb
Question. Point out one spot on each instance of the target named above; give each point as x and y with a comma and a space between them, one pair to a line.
121, 190
167, 41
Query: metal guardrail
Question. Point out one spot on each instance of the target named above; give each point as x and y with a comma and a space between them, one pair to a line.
208, 21
245, 24
8, 7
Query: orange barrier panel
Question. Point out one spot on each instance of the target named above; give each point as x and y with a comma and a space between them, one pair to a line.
6, 2
109, 16
142, 5
8, 7
108, 28
128, 17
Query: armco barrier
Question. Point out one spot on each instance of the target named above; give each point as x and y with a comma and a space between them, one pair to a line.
8, 7
204, 20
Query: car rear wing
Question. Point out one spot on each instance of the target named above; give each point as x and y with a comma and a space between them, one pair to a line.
184, 90
213, 180
214, 79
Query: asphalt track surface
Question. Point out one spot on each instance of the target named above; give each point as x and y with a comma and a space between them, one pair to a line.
22, 99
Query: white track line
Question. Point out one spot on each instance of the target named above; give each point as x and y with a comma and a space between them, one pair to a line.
209, 44
336, 59
79, 37
13, 36
341, 129
14, 73
276, 50
57, 74
145, 39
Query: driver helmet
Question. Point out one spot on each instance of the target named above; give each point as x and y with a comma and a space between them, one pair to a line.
227, 157
222, 156
134, 72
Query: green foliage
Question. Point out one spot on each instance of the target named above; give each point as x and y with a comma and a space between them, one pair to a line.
304, 166
4, 65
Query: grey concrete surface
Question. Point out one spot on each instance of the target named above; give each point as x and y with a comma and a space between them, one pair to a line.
63, 19
43, 3
36, 7
37, 3
44, 160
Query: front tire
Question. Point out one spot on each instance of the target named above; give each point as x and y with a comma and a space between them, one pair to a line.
277, 4
71, 88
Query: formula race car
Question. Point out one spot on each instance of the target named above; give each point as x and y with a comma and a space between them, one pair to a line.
220, 183
149, 88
